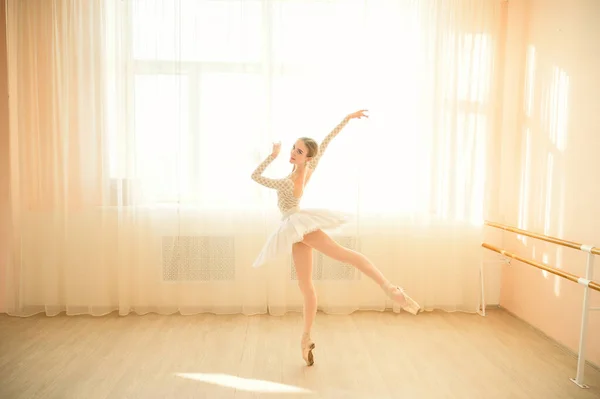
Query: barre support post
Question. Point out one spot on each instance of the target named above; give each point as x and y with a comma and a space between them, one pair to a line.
589, 275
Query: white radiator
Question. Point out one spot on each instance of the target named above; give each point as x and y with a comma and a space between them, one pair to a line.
198, 258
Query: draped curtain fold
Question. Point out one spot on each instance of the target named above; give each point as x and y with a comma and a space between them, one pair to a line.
135, 126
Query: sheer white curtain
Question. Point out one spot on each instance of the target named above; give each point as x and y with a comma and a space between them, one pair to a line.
135, 126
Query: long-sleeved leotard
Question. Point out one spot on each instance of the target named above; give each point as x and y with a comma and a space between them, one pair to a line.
285, 187
323, 146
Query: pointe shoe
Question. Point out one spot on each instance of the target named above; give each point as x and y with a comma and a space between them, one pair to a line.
307, 347
406, 302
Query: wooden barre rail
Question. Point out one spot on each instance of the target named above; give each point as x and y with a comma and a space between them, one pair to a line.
554, 240
592, 284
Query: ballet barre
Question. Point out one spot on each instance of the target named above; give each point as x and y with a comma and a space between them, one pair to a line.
587, 281
576, 279
554, 240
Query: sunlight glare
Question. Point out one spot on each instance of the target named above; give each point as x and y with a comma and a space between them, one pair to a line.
530, 81
243, 384
557, 279
561, 229
524, 200
557, 108
549, 179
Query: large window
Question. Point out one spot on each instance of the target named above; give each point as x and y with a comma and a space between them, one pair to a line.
197, 101
212, 83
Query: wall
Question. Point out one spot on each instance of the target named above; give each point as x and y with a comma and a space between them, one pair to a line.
550, 161
4, 160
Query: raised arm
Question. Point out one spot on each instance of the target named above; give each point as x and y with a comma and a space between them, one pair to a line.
323, 146
265, 181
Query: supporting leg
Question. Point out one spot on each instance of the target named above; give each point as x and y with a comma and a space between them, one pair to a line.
303, 262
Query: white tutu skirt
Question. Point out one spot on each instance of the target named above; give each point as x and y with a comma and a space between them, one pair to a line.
294, 226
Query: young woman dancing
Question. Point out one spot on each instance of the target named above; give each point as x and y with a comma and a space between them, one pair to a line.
301, 230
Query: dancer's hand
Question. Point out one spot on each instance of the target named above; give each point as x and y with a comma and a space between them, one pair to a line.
358, 114
276, 149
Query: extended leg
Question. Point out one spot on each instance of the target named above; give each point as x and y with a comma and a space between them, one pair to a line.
325, 244
303, 262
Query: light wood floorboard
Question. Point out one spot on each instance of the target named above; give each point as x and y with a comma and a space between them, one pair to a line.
363, 355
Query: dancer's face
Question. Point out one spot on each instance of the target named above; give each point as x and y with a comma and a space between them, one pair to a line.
298, 156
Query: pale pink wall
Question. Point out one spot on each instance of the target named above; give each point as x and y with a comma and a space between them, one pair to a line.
553, 187
4, 171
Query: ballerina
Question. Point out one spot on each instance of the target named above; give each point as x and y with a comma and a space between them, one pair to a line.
301, 230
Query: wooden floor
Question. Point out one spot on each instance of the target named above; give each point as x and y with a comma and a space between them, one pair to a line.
364, 355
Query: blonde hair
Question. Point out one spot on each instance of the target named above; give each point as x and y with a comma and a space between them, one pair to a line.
311, 146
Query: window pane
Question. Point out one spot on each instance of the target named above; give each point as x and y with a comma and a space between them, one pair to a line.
232, 122
323, 32
471, 166
460, 170
161, 136
195, 30
474, 67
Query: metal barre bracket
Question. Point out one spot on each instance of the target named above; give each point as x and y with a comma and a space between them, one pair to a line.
583, 281
580, 385
587, 248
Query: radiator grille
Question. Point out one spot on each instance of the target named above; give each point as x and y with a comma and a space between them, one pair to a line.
198, 258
